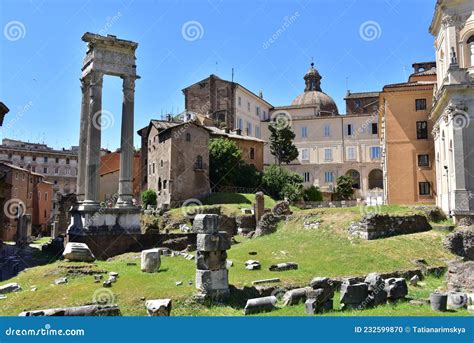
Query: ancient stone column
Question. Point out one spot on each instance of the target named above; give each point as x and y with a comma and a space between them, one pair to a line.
81, 170
126, 144
259, 208
91, 197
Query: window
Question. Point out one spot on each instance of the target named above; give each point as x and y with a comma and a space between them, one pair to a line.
46, 196
264, 115
153, 168
239, 101
23, 177
45, 159
57, 160
375, 128
248, 106
45, 170
249, 128
33, 169
67, 160
374, 152
188, 137
161, 163
240, 124
55, 182
306, 176
304, 132
421, 130
328, 154
328, 177
305, 154
199, 164
252, 153
17, 174
424, 188
164, 184
424, 160
10, 156
351, 155
257, 131
22, 157
327, 130
34, 158
349, 129
420, 104
257, 110
56, 170
470, 43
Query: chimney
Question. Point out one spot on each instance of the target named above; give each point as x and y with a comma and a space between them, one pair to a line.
169, 117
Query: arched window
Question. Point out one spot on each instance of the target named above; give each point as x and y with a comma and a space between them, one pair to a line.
355, 175
470, 45
159, 184
199, 162
376, 179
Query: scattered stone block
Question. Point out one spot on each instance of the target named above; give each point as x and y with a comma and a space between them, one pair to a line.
272, 280
459, 276
396, 288
78, 252
9, 288
354, 295
439, 302
158, 307
295, 296
97, 278
150, 261
209, 280
60, 281
213, 242
252, 265
320, 282
414, 280
258, 305
283, 266
107, 284
113, 274
79, 311
211, 260
470, 309
457, 300
205, 223
179, 283
312, 306
229, 264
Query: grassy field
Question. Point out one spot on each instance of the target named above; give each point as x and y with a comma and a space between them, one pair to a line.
326, 251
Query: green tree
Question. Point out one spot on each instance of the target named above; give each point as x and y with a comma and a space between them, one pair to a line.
281, 142
225, 160
312, 193
248, 176
344, 189
149, 198
280, 183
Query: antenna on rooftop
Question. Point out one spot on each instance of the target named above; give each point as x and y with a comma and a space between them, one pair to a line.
232, 74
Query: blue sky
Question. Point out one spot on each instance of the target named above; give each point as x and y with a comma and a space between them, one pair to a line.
41, 53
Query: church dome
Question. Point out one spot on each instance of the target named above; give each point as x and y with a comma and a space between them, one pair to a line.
314, 96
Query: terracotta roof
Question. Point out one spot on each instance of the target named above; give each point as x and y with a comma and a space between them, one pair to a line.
109, 163
358, 95
410, 84
431, 71
14, 166
218, 132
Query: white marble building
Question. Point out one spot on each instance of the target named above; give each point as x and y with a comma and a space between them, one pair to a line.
453, 106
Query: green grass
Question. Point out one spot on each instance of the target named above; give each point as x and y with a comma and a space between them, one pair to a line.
326, 251
42, 240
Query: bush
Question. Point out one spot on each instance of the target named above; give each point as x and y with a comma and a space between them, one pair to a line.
248, 176
225, 159
312, 194
280, 183
344, 189
149, 198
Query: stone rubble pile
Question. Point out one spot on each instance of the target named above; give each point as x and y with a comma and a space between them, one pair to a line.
78, 252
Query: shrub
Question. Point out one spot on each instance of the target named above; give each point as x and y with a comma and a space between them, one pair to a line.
149, 198
312, 194
280, 183
225, 159
248, 176
344, 189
